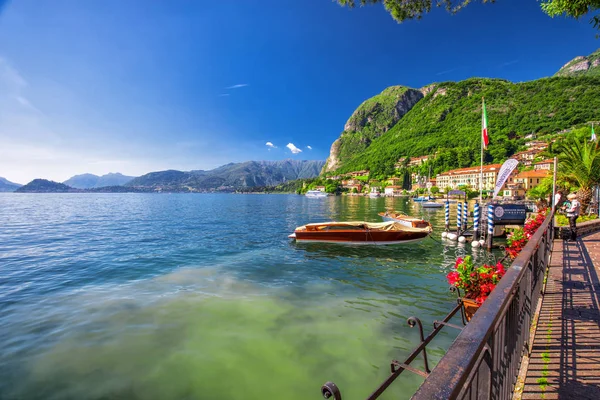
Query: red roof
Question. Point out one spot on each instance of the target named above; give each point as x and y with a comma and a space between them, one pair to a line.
538, 173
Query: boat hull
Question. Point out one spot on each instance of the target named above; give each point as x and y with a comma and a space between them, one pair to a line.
360, 237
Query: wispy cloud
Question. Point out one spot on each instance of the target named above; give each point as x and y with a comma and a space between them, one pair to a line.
224, 95
270, 145
309, 147
293, 148
448, 71
239, 85
506, 64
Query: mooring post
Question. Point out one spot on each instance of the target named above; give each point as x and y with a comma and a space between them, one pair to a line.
465, 215
447, 215
476, 221
458, 217
490, 224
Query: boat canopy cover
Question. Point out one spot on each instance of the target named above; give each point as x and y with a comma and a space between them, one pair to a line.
385, 226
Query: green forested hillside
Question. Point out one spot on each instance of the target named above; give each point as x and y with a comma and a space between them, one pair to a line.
448, 121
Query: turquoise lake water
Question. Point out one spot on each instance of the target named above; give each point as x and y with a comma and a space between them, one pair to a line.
199, 296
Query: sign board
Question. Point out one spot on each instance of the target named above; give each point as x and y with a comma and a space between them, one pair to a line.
510, 214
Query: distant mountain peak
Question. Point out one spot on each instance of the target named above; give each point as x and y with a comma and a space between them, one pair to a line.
8, 186
90, 181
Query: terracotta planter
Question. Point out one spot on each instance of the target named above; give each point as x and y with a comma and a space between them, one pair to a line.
469, 306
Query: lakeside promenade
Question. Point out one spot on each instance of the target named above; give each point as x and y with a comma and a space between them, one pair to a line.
565, 358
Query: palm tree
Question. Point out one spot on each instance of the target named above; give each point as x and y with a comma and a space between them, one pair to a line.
579, 165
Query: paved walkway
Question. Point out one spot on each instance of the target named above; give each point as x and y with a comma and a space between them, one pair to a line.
565, 361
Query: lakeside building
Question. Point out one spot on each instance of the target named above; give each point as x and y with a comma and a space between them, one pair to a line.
470, 177
530, 179
413, 161
351, 184
320, 188
354, 174
544, 165
393, 190
513, 191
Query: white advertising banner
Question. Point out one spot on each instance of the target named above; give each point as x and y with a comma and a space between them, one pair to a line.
505, 171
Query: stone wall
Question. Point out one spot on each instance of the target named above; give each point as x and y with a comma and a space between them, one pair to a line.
583, 228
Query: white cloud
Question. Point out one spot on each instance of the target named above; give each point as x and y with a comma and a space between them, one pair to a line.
239, 85
309, 147
293, 148
270, 145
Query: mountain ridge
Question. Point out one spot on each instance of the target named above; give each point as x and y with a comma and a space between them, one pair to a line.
8, 186
447, 120
226, 178
89, 181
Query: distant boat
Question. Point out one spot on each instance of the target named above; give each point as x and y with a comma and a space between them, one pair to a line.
374, 194
431, 204
357, 232
404, 219
315, 193
422, 198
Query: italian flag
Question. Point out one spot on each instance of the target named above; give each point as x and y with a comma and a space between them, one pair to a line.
484, 127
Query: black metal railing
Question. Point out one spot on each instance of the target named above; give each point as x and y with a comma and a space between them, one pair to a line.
330, 390
483, 362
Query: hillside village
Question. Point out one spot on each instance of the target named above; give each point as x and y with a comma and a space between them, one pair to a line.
409, 180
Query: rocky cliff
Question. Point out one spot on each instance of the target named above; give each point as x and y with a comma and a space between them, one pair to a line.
582, 66
371, 119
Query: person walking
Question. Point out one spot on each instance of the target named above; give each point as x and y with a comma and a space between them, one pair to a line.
572, 214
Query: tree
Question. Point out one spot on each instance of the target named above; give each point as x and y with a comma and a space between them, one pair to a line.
402, 10
579, 165
435, 190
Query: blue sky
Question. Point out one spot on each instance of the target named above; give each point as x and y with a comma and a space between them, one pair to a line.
139, 86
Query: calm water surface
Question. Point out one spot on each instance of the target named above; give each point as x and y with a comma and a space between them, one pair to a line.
183, 296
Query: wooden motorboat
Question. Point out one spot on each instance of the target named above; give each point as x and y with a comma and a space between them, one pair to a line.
358, 232
404, 219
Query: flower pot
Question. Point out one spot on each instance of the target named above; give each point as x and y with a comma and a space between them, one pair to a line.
469, 306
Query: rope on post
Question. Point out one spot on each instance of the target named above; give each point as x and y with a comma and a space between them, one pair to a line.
490, 224
476, 221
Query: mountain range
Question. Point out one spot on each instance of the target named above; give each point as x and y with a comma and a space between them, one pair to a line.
227, 178
445, 118
231, 176
88, 181
8, 186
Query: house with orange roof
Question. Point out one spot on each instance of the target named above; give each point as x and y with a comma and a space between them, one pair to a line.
532, 178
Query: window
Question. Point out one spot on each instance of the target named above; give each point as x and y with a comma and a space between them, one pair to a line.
530, 180
538, 180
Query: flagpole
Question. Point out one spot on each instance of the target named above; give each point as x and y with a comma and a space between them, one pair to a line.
481, 170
